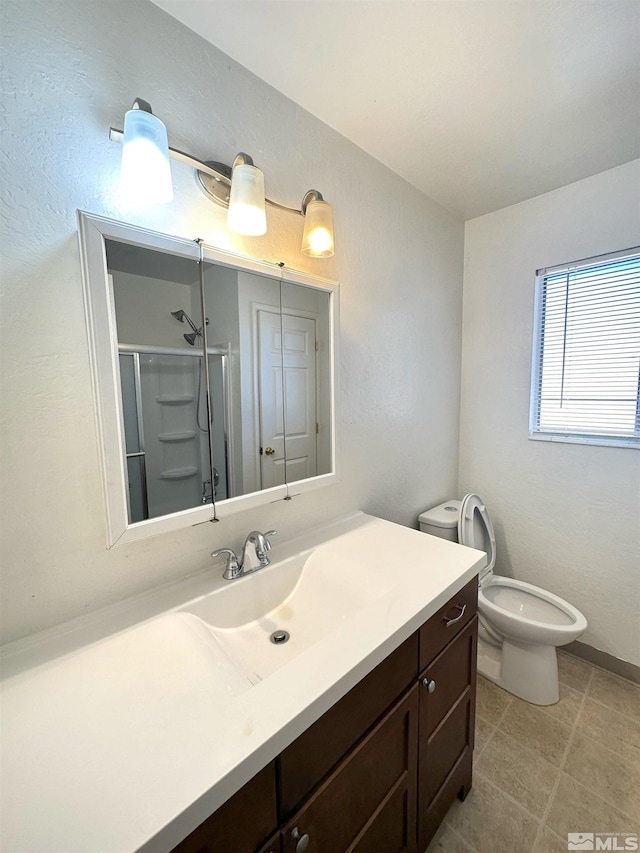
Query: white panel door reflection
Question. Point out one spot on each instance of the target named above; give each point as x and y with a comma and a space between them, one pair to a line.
287, 395
270, 401
299, 372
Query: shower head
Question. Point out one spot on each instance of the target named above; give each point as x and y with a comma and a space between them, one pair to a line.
181, 316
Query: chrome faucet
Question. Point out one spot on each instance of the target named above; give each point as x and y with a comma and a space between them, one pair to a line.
254, 555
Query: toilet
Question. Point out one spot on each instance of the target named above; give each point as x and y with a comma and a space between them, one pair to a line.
520, 625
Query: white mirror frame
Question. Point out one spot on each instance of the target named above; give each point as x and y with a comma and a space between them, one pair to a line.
100, 313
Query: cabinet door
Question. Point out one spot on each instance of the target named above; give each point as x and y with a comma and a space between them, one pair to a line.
368, 804
446, 678
447, 715
317, 751
273, 845
242, 823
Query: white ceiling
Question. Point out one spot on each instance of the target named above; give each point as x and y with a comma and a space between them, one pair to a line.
478, 103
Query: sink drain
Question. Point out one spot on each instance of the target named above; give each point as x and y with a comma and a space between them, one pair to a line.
279, 637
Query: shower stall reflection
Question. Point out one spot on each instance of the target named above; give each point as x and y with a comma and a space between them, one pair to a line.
165, 425
163, 383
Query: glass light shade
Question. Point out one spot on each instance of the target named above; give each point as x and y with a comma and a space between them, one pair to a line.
145, 175
317, 238
247, 213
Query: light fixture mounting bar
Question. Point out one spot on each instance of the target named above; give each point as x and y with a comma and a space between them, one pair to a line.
214, 178
116, 135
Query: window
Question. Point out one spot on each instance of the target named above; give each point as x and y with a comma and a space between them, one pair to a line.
586, 358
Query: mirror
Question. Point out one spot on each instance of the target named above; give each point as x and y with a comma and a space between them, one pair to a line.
186, 437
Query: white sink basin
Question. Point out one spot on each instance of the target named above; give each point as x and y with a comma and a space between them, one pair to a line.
307, 595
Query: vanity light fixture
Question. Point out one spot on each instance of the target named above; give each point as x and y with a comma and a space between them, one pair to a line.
145, 174
317, 238
246, 201
240, 189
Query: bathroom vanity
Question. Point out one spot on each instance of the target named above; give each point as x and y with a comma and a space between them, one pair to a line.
171, 722
379, 770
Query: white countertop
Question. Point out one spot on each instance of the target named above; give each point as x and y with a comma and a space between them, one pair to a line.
127, 739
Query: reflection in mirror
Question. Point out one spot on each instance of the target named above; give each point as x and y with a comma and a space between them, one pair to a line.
306, 376
159, 330
244, 312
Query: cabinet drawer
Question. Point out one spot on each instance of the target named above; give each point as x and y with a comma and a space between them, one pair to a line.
340, 814
448, 621
242, 823
449, 675
311, 756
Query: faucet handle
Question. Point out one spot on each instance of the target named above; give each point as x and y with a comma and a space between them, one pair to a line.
232, 569
222, 551
267, 545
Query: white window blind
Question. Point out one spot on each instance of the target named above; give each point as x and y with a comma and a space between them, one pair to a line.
586, 360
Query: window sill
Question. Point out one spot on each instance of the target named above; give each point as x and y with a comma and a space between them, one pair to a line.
583, 439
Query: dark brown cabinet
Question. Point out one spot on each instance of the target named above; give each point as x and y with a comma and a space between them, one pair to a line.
272, 845
447, 712
304, 764
447, 622
243, 823
371, 794
378, 771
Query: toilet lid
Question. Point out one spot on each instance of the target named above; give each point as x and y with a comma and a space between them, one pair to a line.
476, 530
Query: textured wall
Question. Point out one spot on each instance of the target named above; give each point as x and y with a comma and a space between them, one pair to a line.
72, 68
566, 515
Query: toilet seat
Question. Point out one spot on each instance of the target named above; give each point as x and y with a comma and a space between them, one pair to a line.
519, 609
475, 530
528, 602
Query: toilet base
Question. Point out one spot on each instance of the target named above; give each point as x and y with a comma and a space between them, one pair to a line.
529, 672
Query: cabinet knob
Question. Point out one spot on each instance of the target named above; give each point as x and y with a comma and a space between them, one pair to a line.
302, 841
430, 685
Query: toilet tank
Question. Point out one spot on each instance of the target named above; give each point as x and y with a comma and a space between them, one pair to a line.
441, 520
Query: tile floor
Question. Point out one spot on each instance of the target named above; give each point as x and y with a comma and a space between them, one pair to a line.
540, 773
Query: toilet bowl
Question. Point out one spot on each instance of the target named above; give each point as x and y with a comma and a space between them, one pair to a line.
520, 625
